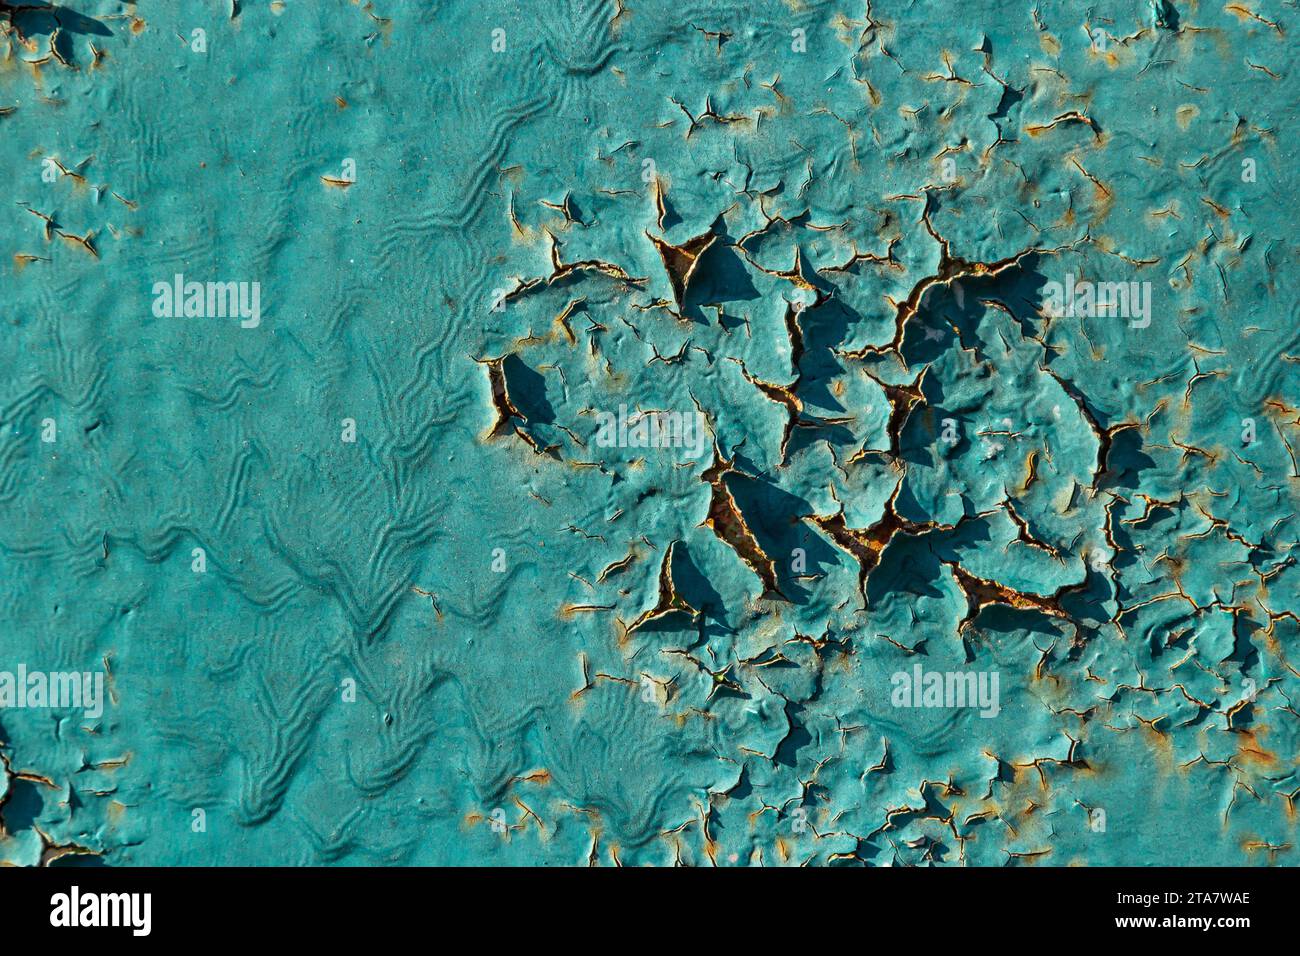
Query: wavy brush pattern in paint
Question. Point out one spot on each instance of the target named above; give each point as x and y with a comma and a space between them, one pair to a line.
375, 579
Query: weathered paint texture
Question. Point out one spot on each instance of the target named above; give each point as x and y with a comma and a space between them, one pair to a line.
646, 432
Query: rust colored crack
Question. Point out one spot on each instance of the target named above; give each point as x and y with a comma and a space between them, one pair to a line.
680, 261
726, 521
950, 269
867, 545
508, 417
981, 593
902, 399
562, 270
1105, 435
668, 602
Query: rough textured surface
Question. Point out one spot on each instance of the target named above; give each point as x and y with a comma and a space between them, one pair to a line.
477, 633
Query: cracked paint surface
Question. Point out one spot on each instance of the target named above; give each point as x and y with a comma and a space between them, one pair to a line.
824, 228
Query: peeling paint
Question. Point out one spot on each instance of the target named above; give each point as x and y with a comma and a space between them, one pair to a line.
346, 617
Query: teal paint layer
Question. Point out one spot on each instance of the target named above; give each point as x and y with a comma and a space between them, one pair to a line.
378, 571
